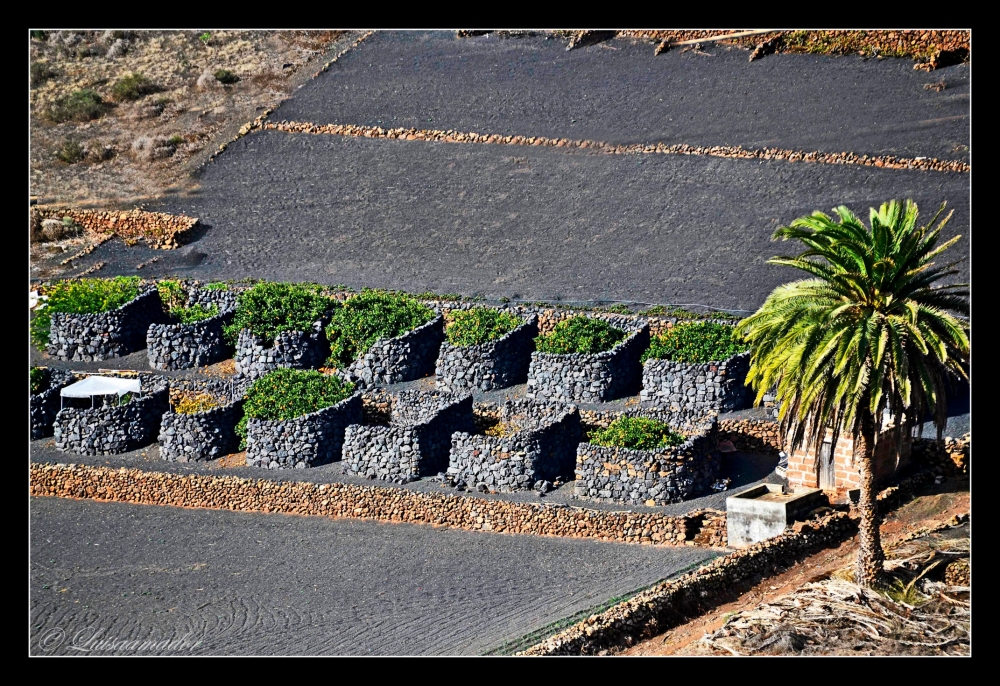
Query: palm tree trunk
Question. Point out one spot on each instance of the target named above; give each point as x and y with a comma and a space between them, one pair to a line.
868, 568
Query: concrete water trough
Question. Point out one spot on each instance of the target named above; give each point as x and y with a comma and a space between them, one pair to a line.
765, 511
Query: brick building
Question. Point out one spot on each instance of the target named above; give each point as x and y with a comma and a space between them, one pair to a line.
835, 468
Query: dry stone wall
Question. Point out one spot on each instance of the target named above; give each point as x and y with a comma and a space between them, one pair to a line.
378, 503
92, 337
112, 429
540, 451
185, 346
295, 349
497, 364
591, 378
204, 435
44, 406
415, 443
312, 439
650, 477
697, 389
404, 358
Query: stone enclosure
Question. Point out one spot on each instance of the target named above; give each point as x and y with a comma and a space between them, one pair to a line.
696, 389
497, 364
650, 477
539, 446
112, 429
91, 337
294, 349
184, 346
416, 441
44, 406
312, 439
203, 435
404, 358
591, 378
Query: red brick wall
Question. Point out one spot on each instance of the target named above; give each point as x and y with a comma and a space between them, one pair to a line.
803, 465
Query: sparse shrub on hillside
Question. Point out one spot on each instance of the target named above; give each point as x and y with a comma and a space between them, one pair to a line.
82, 106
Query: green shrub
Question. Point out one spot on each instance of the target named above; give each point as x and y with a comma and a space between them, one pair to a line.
289, 393
40, 35
267, 309
696, 343
617, 308
226, 77
580, 334
216, 286
195, 313
86, 296
82, 105
132, 87
40, 72
70, 152
637, 433
172, 294
38, 378
480, 325
175, 140
369, 316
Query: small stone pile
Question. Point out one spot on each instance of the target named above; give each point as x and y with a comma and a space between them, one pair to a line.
539, 450
312, 439
416, 441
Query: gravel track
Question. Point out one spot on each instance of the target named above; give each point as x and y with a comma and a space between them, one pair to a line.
620, 93
272, 584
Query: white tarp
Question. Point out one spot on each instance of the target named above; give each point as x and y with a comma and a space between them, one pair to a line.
100, 385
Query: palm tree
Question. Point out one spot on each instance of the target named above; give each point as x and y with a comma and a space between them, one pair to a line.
869, 340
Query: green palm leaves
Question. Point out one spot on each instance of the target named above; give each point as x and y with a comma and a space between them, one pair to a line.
870, 333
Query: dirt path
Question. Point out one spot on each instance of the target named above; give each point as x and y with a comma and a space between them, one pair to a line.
940, 505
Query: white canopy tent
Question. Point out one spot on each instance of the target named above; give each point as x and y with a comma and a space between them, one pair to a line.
100, 385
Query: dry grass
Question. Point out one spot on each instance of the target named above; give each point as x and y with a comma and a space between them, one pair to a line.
161, 104
924, 609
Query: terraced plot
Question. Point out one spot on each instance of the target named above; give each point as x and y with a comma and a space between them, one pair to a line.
272, 584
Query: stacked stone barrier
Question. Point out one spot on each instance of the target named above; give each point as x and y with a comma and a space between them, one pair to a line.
44, 406
185, 346
489, 366
118, 332
378, 503
206, 435
650, 477
112, 429
752, 435
591, 378
416, 442
672, 602
293, 349
540, 450
307, 441
697, 389
403, 358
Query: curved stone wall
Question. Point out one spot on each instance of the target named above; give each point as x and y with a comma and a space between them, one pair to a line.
112, 429
497, 364
404, 358
91, 337
697, 389
312, 439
